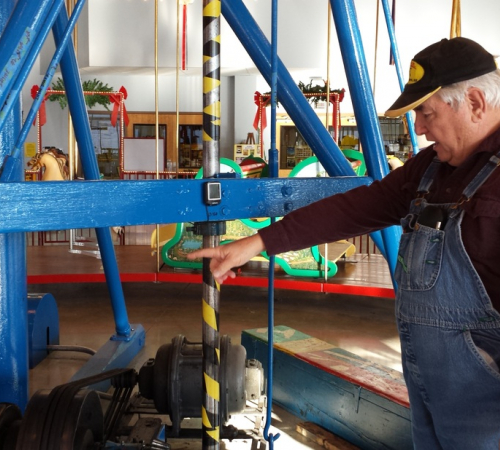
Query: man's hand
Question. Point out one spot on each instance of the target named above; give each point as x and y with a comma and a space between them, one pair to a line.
225, 257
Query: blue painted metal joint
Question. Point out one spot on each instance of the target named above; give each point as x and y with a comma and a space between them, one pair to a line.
115, 354
125, 337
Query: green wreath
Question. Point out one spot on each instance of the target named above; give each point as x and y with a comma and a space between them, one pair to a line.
87, 86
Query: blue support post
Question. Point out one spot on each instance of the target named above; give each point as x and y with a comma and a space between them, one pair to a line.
370, 135
13, 302
273, 172
78, 110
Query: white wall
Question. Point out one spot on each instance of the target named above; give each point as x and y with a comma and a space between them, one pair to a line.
120, 37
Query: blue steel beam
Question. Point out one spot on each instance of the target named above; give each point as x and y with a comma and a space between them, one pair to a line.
27, 61
16, 156
78, 110
353, 56
18, 37
13, 290
296, 105
89, 204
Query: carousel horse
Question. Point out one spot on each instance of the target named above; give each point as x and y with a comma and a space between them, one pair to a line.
53, 163
55, 168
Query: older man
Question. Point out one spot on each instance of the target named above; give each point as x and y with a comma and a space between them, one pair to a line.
447, 199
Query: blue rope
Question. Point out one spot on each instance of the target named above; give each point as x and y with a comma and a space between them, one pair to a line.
273, 172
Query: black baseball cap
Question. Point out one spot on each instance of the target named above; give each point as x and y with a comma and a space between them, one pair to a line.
443, 63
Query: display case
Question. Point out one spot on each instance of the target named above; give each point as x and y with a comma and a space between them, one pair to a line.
147, 130
293, 148
242, 151
106, 142
190, 146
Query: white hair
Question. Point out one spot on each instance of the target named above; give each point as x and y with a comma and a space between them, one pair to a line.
454, 94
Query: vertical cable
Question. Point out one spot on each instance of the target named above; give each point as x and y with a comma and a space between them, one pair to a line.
177, 90
211, 416
273, 171
157, 141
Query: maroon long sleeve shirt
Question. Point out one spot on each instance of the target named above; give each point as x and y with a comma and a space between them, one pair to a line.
383, 203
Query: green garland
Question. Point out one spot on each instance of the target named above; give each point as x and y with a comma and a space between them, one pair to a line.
317, 89
87, 86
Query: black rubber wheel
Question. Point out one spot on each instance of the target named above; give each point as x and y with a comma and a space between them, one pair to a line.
77, 425
10, 420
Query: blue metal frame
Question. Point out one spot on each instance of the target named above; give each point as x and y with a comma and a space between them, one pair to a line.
78, 110
20, 32
303, 116
37, 207
13, 302
353, 55
11, 95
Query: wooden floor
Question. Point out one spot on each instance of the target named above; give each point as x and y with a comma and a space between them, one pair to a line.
359, 275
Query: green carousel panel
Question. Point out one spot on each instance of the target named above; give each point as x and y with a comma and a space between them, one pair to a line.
308, 262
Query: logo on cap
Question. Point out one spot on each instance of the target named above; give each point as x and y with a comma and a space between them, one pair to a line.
416, 72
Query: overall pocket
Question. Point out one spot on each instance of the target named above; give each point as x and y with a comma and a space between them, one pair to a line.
485, 347
419, 258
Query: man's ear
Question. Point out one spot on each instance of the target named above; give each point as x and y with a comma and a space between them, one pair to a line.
477, 102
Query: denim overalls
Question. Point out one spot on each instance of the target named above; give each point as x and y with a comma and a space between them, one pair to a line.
449, 330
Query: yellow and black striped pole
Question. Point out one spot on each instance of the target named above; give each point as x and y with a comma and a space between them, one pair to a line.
211, 416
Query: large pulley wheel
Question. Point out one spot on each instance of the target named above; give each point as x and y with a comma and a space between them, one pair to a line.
174, 380
75, 424
10, 421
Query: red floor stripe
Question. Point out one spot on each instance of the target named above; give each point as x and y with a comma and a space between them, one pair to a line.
292, 284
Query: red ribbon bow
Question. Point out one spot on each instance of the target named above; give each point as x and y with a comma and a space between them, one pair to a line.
116, 99
42, 114
261, 115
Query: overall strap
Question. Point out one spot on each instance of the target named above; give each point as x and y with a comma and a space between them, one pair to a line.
428, 178
480, 178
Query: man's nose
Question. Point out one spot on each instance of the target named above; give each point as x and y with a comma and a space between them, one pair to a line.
420, 128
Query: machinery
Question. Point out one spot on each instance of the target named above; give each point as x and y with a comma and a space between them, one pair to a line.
148, 407
144, 409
